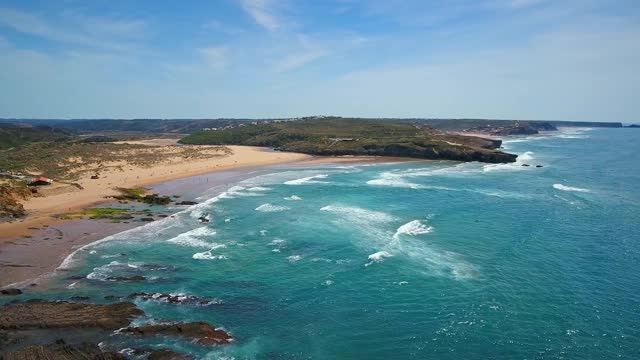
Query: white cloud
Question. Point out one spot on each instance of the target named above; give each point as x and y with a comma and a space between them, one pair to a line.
262, 13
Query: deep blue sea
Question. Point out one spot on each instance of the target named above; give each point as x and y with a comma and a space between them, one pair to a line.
413, 260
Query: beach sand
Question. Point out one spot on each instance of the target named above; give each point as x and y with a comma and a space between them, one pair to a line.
67, 199
37, 245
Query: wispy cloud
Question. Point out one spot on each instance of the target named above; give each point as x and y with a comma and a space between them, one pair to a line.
308, 51
218, 26
262, 13
214, 57
85, 31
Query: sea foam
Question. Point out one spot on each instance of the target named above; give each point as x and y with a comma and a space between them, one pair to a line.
193, 238
308, 180
271, 208
569, 188
378, 257
415, 227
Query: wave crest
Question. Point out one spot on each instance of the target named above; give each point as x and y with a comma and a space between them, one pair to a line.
569, 188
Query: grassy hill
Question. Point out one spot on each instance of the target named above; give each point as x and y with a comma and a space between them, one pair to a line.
342, 136
12, 136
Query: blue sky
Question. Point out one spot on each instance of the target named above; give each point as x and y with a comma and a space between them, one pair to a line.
514, 59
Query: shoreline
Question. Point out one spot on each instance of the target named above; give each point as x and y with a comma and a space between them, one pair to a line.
34, 248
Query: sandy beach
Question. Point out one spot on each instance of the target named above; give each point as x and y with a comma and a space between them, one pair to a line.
37, 245
66, 199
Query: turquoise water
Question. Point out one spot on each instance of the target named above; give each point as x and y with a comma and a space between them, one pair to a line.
411, 260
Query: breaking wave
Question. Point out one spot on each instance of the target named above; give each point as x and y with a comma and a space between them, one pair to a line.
308, 180
271, 208
378, 257
194, 237
415, 227
293, 198
569, 188
359, 215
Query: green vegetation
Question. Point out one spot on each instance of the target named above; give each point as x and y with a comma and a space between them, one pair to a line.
139, 195
11, 137
71, 159
100, 213
341, 136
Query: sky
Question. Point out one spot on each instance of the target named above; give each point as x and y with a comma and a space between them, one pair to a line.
505, 59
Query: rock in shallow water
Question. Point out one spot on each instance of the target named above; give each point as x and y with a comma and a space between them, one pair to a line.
200, 331
50, 314
175, 298
62, 351
11, 292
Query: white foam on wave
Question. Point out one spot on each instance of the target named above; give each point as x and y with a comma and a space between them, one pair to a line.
438, 262
573, 132
193, 238
378, 257
147, 232
413, 228
392, 179
359, 215
294, 258
103, 272
258, 188
293, 198
308, 180
569, 188
271, 208
208, 255
523, 158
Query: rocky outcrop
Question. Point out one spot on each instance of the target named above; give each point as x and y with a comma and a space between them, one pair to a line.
10, 291
62, 351
181, 299
162, 354
200, 331
49, 315
187, 203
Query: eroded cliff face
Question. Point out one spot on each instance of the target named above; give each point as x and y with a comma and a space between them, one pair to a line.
455, 153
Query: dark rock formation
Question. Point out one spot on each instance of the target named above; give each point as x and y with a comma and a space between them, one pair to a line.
165, 354
174, 298
10, 291
49, 314
201, 332
62, 351
187, 203
146, 219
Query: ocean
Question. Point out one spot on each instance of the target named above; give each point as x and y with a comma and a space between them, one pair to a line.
406, 260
